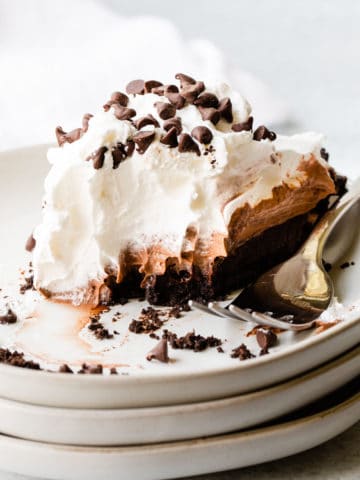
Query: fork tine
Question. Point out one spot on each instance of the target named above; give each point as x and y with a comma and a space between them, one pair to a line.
202, 307
223, 312
262, 319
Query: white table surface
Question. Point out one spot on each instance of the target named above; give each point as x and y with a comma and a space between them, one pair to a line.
308, 52
338, 459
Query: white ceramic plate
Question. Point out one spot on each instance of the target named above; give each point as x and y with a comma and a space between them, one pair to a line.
179, 422
53, 334
179, 459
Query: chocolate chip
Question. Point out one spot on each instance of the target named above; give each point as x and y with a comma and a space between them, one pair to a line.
85, 121
98, 157
176, 99
262, 133
119, 97
159, 352
65, 369
210, 114
202, 134
173, 122
187, 144
123, 113
191, 92
265, 338
113, 371
143, 140
165, 110
171, 89
9, 317
70, 137
136, 87
243, 126
158, 90
225, 109
207, 100
147, 120
170, 138
324, 154
30, 243
150, 84
184, 79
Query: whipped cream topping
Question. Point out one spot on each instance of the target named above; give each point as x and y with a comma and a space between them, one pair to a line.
93, 217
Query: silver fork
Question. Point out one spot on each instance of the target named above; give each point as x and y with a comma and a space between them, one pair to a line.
292, 295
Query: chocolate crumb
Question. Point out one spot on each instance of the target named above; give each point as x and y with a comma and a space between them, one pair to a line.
149, 321
113, 371
170, 138
30, 243
159, 352
28, 284
143, 140
65, 369
265, 338
225, 109
345, 265
327, 266
136, 87
147, 120
243, 126
202, 134
151, 84
165, 110
173, 122
187, 144
91, 369
220, 350
100, 332
9, 317
241, 352
210, 114
191, 341
17, 359
153, 335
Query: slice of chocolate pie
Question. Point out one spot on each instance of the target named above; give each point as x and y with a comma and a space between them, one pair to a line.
171, 193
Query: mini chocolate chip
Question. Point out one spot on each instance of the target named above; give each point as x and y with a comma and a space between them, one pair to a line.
191, 92
324, 154
261, 133
272, 136
136, 87
225, 109
63, 137
184, 79
119, 97
165, 110
265, 338
113, 371
173, 122
120, 152
85, 121
158, 91
202, 134
65, 369
210, 114
147, 120
30, 243
170, 138
176, 99
123, 113
187, 144
243, 126
171, 89
159, 352
98, 157
150, 84
143, 140
207, 100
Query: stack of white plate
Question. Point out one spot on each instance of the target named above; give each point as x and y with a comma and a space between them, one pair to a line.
202, 412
